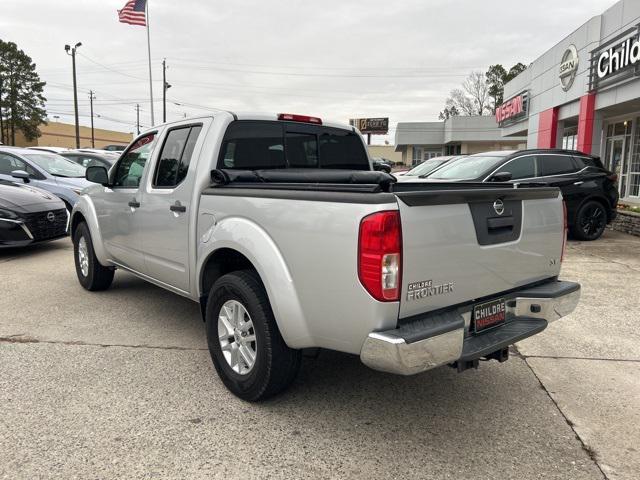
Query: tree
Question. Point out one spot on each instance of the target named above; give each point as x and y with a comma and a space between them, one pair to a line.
448, 112
471, 99
21, 99
496, 77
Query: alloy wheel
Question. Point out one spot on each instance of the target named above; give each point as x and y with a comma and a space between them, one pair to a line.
237, 337
83, 256
593, 220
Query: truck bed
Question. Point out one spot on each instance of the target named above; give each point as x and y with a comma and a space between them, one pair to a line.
452, 239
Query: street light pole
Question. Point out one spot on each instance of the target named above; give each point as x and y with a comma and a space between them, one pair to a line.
67, 48
91, 98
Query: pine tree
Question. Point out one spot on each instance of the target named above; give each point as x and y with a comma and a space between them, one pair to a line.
21, 99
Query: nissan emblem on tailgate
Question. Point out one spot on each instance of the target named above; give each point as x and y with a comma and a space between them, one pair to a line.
498, 206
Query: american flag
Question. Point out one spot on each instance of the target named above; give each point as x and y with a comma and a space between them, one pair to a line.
133, 12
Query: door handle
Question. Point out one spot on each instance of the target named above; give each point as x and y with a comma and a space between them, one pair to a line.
134, 203
176, 207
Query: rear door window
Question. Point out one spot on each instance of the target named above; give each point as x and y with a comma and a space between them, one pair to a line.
589, 162
175, 157
254, 145
523, 167
9, 163
556, 165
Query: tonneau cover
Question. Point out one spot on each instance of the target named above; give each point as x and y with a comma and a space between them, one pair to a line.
303, 175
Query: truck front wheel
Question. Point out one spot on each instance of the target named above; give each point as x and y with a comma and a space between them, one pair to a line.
246, 347
92, 275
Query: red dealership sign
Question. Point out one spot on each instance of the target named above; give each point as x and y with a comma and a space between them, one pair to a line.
512, 109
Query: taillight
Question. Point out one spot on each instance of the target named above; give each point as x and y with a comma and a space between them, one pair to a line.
292, 117
380, 255
565, 228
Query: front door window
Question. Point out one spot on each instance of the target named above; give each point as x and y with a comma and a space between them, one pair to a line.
131, 165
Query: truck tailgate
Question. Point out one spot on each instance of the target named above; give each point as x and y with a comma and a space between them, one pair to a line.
467, 243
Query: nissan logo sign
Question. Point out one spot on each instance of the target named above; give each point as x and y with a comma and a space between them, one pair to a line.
498, 206
51, 216
568, 67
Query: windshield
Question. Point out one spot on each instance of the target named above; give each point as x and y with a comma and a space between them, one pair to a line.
468, 168
426, 166
56, 165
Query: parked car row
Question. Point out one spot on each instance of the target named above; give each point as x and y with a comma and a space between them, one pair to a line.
29, 215
38, 188
589, 189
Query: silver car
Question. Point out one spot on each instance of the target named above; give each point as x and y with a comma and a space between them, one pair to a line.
45, 170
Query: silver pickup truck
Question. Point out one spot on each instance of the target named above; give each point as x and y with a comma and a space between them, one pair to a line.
279, 228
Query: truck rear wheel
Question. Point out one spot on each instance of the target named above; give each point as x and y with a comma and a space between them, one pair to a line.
92, 275
246, 347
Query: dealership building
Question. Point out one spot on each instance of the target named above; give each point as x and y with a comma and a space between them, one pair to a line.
419, 141
584, 94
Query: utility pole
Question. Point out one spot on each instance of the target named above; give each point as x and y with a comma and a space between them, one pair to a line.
91, 99
165, 86
67, 48
138, 118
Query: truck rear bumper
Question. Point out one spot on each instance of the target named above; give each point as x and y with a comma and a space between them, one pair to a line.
443, 338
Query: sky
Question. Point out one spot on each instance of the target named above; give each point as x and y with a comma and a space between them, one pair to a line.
333, 59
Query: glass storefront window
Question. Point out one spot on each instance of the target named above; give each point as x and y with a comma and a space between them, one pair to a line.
570, 138
634, 166
420, 154
453, 149
619, 128
622, 156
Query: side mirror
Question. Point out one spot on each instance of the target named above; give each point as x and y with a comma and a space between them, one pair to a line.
97, 174
26, 178
502, 177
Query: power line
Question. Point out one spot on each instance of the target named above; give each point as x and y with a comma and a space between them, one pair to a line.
127, 63
201, 107
331, 75
101, 117
109, 68
206, 64
320, 67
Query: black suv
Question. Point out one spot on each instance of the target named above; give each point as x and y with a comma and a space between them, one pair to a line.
589, 189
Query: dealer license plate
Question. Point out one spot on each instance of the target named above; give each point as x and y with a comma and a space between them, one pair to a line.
489, 314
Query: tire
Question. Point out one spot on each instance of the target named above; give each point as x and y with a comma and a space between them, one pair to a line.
275, 364
590, 221
95, 276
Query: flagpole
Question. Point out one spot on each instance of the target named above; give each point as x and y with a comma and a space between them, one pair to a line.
149, 52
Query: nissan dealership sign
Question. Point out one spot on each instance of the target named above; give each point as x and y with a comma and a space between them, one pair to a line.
615, 60
513, 109
568, 67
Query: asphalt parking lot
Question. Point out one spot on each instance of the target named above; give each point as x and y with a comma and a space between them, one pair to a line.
119, 384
